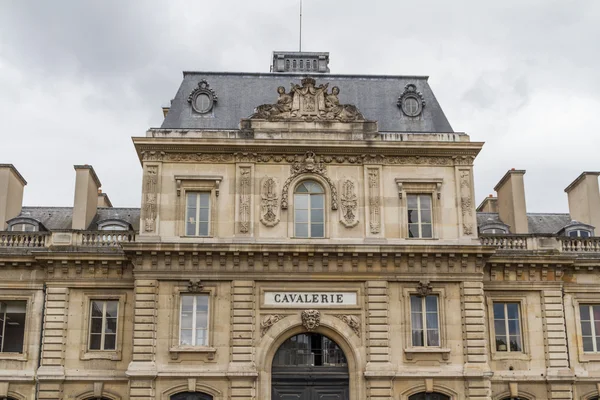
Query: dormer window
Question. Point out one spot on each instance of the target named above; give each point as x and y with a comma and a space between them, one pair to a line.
493, 227
114, 225
23, 228
24, 224
580, 233
576, 229
494, 231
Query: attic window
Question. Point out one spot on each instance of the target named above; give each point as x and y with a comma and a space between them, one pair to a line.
494, 231
113, 225
579, 233
23, 228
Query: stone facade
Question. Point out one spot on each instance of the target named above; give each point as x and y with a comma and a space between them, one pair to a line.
251, 254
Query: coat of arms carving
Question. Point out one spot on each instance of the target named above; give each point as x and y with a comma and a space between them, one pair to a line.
308, 102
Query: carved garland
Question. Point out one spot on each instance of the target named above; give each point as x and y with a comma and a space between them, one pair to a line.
308, 166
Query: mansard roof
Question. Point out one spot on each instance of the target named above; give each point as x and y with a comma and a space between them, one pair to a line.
376, 96
61, 218
539, 223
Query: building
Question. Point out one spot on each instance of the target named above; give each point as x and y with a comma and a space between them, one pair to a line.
318, 241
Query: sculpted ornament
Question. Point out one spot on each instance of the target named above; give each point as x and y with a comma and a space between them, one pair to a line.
245, 182
308, 166
269, 214
269, 321
424, 288
352, 321
311, 319
349, 202
374, 201
203, 98
195, 286
466, 203
411, 102
150, 204
308, 103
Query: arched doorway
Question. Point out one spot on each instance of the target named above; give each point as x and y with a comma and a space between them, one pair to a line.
191, 396
309, 366
429, 396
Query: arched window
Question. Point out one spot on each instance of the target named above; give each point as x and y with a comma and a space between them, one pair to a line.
191, 396
113, 224
23, 228
429, 396
287, 65
314, 64
309, 210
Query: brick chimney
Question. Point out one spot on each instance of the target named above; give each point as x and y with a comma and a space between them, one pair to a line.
85, 205
584, 199
512, 209
11, 193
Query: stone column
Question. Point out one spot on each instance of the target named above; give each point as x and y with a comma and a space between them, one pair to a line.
476, 369
51, 373
142, 369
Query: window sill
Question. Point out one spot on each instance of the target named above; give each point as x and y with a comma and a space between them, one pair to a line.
176, 350
13, 356
410, 352
112, 355
513, 355
589, 356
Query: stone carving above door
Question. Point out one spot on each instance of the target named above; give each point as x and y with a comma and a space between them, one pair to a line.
308, 102
311, 319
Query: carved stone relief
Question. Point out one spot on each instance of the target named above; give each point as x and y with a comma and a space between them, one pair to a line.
308, 103
349, 203
244, 193
466, 202
150, 203
374, 201
195, 286
269, 321
269, 202
352, 321
424, 288
308, 165
311, 319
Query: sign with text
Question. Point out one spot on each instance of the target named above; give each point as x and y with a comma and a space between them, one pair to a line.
310, 299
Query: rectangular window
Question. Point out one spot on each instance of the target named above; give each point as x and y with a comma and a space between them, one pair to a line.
12, 326
419, 216
103, 324
590, 327
193, 324
197, 216
424, 319
507, 327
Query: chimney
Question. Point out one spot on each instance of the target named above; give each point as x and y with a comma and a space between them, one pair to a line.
584, 199
512, 209
103, 200
11, 193
489, 205
86, 196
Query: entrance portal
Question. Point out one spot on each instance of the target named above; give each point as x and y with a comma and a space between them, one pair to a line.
309, 366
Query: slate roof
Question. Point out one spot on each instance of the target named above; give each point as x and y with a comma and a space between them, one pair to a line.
61, 218
540, 223
240, 93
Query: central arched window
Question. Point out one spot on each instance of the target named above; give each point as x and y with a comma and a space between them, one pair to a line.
309, 210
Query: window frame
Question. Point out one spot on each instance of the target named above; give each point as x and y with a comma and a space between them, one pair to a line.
309, 196
419, 210
492, 298
424, 325
5, 295
198, 207
4, 323
506, 325
85, 352
579, 299
415, 186
179, 290
197, 183
195, 296
103, 328
411, 352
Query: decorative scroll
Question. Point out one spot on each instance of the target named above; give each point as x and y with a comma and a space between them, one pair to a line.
349, 203
352, 321
269, 214
308, 166
311, 319
245, 182
269, 321
374, 201
150, 204
308, 103
466, 202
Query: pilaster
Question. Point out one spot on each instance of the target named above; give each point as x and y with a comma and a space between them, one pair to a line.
242, 324
473, 316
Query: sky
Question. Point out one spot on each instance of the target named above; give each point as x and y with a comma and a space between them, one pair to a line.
79, 78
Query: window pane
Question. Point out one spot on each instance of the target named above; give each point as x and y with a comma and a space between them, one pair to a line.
185, 338
499, 311
301, 216
203, 229
425, 202
201, 320
110, 342
301, 202
202, 302
97, 309
573, 234
14, 326
96, 325
413, 230
426, 216
515, 343
501, 344
415, 304
413, 216
316, 201
417, 321
584, 234
204, 200
317, 230
204, 214
417, 338
513, 326
513, 310
432, 320
111, 325
500, 327
301, 230
411, 202
190, 229
111, 309
201, 338
586, 328
596, 311
316, 215
426, 231
95, 341
431, 304
588, 343
584, 311
301, 188
433, 337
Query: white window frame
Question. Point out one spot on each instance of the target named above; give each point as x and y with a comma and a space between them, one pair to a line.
419, 209
85, 352
31, 323
308, 195
198, 207
497, 295
506, 319
197, 183
194, 312
593, 327
3, 327
417, 186
424, 319
578, 299
103, 328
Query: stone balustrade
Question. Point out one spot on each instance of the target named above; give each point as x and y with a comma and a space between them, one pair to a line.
505, 242
580, 245
542, 242
100, 239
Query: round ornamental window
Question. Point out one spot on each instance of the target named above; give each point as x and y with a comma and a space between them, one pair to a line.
411, 107
203, 103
